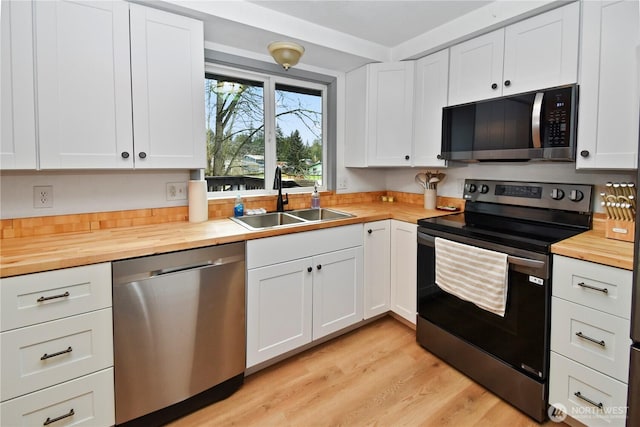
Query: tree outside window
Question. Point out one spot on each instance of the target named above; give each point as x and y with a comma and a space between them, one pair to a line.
235, 119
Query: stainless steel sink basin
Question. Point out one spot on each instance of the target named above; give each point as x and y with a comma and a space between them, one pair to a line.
291, 218
321, 214
268, 220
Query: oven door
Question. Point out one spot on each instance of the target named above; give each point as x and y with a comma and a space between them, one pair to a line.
520, 338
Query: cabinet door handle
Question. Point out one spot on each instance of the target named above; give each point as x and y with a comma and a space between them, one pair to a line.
369, 231
309, 269
125, 154
41, 299
507, 82
595, 288
586, 399
59, 353
48, 421
406, 157
588, 338
319, 266
142, 155
585, 153
494, 86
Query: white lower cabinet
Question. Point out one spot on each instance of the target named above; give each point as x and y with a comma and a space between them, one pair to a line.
590, 342
377, 268
301, 287
404, 248
85, 401
56, 348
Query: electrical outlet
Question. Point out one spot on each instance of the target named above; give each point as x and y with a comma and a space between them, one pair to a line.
343, 183
176, 191
43, 196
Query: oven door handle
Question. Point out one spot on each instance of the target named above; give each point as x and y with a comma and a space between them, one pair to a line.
425, 239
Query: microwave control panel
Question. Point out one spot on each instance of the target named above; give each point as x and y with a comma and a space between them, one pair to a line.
557, 116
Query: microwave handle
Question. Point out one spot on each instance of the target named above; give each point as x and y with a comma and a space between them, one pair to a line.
535, 120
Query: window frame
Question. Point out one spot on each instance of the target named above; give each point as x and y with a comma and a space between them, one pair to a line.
269, 82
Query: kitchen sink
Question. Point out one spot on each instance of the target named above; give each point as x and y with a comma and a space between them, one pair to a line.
321, 214
267, 220
281, 219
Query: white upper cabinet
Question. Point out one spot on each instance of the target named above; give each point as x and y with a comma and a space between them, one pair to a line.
379, 115
167, 69
17, 124
83, 84
476, 68
113, 85
536, 53
609, 85
432, 77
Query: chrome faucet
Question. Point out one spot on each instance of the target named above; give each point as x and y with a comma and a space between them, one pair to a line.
277, 185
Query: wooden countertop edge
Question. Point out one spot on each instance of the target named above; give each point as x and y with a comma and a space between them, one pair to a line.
593, 246
36, 254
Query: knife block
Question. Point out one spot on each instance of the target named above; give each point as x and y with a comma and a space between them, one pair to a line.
620, 230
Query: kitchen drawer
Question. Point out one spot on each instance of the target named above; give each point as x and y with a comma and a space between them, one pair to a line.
40, 297
574, 328
71, 347
568, 379
595, 285
274, 250
90, 397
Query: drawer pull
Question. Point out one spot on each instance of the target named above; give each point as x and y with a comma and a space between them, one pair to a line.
588, 338
584, 285
61, 417
59, 353
586, 399
41, 299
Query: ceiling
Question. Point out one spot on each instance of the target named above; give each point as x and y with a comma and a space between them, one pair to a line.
344, 34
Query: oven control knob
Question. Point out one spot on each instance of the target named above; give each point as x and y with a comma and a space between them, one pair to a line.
576, 195
471, 188
484, 188
557, 194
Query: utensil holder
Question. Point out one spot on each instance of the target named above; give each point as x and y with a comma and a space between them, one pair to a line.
620, 230
430, 198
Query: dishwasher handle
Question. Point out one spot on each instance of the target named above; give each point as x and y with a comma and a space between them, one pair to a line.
210, 263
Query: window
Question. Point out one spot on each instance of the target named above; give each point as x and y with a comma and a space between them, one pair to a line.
257, 122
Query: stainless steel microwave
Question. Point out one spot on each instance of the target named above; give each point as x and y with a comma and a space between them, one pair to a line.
537, 125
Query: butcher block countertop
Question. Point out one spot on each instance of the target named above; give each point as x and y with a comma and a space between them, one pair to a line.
593, 246
35, 254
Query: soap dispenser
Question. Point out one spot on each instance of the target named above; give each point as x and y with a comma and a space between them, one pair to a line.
315, 198
238, 207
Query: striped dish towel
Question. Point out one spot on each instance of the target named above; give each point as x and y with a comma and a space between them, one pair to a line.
473, 274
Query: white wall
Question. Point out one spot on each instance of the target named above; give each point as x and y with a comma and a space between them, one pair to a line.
90, 191
403, 179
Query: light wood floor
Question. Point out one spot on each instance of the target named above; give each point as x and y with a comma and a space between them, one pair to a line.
376, 375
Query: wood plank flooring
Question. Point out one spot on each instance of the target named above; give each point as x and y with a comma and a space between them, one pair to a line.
376, 375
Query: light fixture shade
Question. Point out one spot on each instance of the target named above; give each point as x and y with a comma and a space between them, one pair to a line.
286, 54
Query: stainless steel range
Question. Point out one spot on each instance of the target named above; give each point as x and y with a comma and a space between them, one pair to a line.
497, 252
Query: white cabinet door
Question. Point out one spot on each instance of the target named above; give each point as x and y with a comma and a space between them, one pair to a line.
432, 79
279, 309
337, 291
476, 68
404, 248
377, 268
536, 53
84, 84
609, 82
390, 117
379, 115
542, 51
167, 71
17, 121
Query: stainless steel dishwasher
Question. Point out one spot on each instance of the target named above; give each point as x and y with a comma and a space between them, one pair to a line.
179, 332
